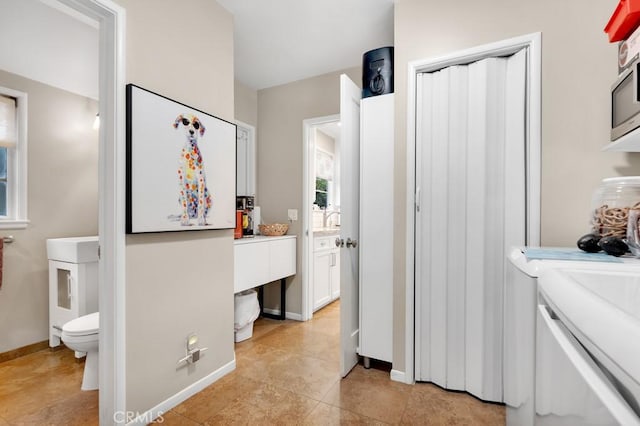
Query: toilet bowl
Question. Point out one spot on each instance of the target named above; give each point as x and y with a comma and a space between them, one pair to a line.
81, 335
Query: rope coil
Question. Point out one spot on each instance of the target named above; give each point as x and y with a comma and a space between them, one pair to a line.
612, 221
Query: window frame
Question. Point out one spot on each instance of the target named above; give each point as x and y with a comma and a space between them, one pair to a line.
16, 217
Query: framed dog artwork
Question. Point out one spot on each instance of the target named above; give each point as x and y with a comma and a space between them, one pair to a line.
181, 166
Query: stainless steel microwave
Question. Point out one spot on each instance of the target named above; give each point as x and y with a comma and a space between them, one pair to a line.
625, 102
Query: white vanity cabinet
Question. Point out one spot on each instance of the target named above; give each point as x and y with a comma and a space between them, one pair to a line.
326, 271
73, 281
73, 292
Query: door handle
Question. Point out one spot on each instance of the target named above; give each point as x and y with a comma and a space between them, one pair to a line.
352, 243
339, 242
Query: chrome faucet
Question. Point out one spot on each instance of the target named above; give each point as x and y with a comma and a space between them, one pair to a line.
326, 215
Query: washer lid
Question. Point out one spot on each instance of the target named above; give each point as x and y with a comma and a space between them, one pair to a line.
535, 267
87, 324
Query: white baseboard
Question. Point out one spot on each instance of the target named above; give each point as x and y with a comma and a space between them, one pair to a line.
289, 315
186, 393
399, 376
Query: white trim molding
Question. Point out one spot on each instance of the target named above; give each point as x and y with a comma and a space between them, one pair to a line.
533, 44
111, 224
307, 202
399, 376
17, 163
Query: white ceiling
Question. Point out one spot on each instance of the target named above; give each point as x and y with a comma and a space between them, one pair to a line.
275, 41
279, 41
33, 44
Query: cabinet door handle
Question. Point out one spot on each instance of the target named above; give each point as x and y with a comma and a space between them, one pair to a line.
339, 242
69, 292
352, 243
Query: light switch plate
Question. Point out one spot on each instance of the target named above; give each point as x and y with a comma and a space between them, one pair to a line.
293, 215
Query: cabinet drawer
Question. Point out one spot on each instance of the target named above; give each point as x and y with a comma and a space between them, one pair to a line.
324, 243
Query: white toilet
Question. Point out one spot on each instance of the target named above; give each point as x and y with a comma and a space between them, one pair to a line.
81, 335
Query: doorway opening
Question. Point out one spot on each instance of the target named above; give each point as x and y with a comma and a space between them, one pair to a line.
321, 213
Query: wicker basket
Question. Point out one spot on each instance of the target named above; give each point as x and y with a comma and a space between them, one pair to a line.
274, 229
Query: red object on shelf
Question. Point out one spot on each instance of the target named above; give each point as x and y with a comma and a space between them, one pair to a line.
237, 233
624, 20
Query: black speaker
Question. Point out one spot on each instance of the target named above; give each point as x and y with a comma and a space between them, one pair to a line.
377, 72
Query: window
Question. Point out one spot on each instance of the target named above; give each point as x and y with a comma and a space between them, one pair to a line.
322, 189
324, 176
13, 159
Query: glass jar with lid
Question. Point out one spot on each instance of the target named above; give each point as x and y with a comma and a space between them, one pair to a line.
611, 203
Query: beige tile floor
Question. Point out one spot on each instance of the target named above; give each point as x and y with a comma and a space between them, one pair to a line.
287, 374
43, 388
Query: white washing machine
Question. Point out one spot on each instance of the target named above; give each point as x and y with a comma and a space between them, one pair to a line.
521, 294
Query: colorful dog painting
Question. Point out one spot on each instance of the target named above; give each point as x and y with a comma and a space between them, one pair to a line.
194, 196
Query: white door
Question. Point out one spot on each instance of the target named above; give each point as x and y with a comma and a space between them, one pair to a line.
470, 174
349, 207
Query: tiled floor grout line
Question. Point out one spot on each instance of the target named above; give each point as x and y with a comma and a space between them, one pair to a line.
306, 416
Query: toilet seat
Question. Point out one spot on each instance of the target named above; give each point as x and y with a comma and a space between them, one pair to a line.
83, 326
82, 335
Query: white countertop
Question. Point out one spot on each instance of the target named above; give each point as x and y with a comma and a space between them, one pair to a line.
320, 232
260, 238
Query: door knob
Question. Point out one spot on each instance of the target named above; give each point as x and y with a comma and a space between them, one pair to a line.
352, 243
339, 242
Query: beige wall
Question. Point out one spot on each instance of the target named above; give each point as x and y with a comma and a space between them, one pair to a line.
246, 104
62, 202
281, 110
182, 282
578, 67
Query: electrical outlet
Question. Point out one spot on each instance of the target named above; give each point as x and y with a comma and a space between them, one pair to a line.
293, 215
